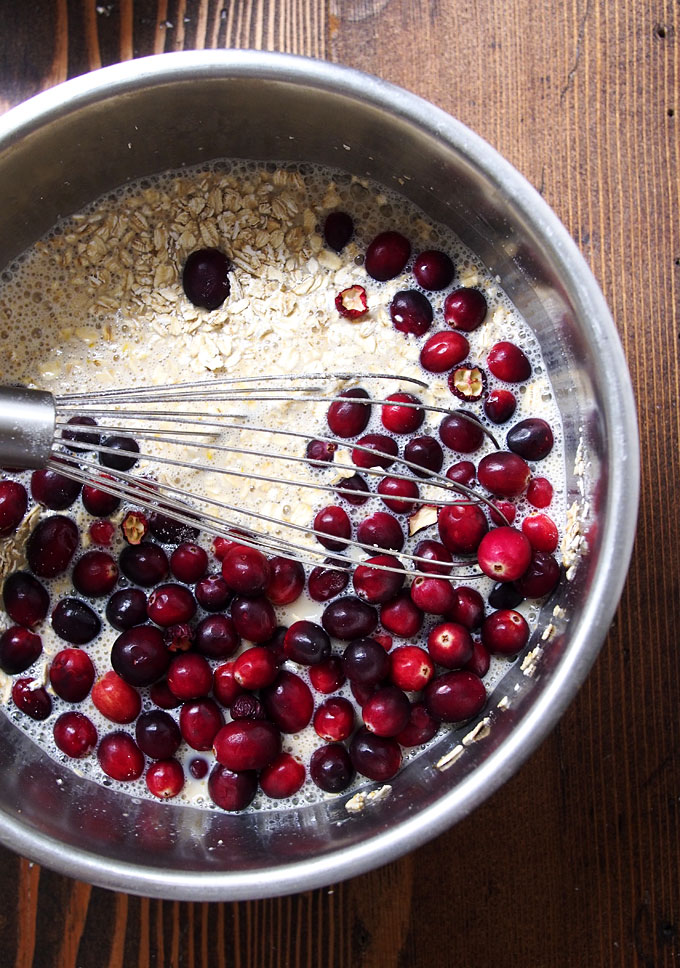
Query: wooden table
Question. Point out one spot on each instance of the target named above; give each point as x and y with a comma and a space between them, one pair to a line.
575, 861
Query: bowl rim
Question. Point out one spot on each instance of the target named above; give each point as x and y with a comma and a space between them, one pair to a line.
619, 418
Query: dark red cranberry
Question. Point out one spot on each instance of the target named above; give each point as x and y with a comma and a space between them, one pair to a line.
139, 655
421, 727
504, 554
353, 489
500, 405
437, 561
426, 452
480, 661
288, 702
125, 608
505, 632
327, 676
387, 255
169, 530
124, 453
72, 674
115, 699
160, 695
306, 643
539, 492
157, 734
275, 643
334, 719
283, 777
74, 734
247, 706
325, 583
212, 593
386, 712
338, 229
232, 791
98, 502
411, 312
450, 645
443, 350
320, 452
504, 594
198, 767
462, 472
462, 527
507, 362
432, 594
381, 530
225, 686
433, 270
257, 667
254, 618
170, 604
468, 607
504, 474
179, 637
467, 382
402, 616
541, 576
13, 506
455, 696
361, 692
189, 562
75, 621
95, 574
286, 581
120, 757
365, 662
189, 676
411, 668
51, 546
35, 703
461, 432
19, 648
205, 278
145, 564
216, 637
349, 618
332, 523
330, 768
375, 450
165, 778
246, 570
465, 309
379, 579
199, 722
53, 490
376, 757
403, 414
347, 417
399, 494
74, 432
247, 744
532, 438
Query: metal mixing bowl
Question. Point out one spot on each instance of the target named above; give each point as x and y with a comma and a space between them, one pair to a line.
67, 146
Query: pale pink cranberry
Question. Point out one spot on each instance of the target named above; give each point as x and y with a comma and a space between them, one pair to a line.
443, 351
286, 582
256, 667
165, 779
505, 632
462, 527
455, 696
450, 645
377, 585
504, 554
120, 757
327, 676
232, 790
402, 616
411, 668
376, 757
421, 727
402, 415
386, 712
288, 702
283, 777
507, 362
116, 699
334, 719
247, 744
539, 492
504, 474
541, 531
74, 734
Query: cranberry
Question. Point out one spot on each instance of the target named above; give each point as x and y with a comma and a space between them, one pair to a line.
247, 744
51, 546
505, 632
505, 595
465, 309
541, 531
74, 734
256, 667
450, 645
167, 529
443, 350
135, 527
198, 767
221, 546
504, 474
95, 573
120, 757
467, 382
334, 719
275, 643
26, 599
353, 489
421, 727
306, 643
455, 696
480, 660
507, 362
325, 583
433, 595
102, 533
462, 527
125, 608
462, 472
205, 278
504, 554
145, 564
502, 512
352, 302
124, 453
376, 585
402, 616
386, 712
283, 777
189, 562
53, 490
365, 662
247, 706
375, 450
376, 757
381, 530
426, 452
189, 676
433, 270
171, 604
399, 494
361, 692
254, 618
402, 414
139, 655
165, 779
288, 702
75, 621
338, 229
98, 502
411, 668
328, 676
225, 686
346, 417
13, 506
199, 721
411, 312
320, 452
34, 702
332, 523
432, 557
541, 577
229, 790
468, 607
349, 618
539, 492
387, 255
462, 432
500, 405
19, 648
330, 768
72, 674
160, 695
286, 581
79, 435
532, 438
115, 699
212, 593
246, 570
157, 734
179, 637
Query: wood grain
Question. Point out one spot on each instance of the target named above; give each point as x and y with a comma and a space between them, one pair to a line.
575, 861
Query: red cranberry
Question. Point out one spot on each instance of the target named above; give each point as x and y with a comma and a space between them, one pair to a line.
229, 790
320, 452
443, 350
541, 577
115, 699
199, 722
189, 562
247, 744
455, 696
145, 564
411, 668
504, 554
375, 450
465, 309
275, 643
205, 278
246, 571
462, 472
126, 608
500, 405
212, 593
426, 452
13, 506
504, 474
352, 302
433, 270
74, 734
225, 686
306, 643
19, 648
376, 757
334, 719
171, 604
189, 676
286, 581
330, 768
325, 583
387, 256
541, 531
75, 621
462, 527
139, 655
349, 618
288, 702
120, 757
34, 702
51, 546
399, 494
98, 502
119, 453
327, 676
386, 712
433, 595
365, 662
347, 417
411, 312
102, 533
402, 616
53, 490
221, 546
256, 667
338, 229
26, 599
72, 674
381, 530
376, 585
247, 706
95, 573
332, 523
502, 512
507, 362
505, 632
432, 557
532, 438
462, 432
283, 777
480, 661
539, 492
254, 618
421, 727
353, 489
468, 608
198, 767
165, 779
450, 645
157, 734
402, 414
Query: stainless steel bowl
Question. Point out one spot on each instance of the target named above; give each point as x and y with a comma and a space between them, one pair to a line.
69, 145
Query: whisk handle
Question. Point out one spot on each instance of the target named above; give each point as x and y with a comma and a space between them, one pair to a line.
27, 421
